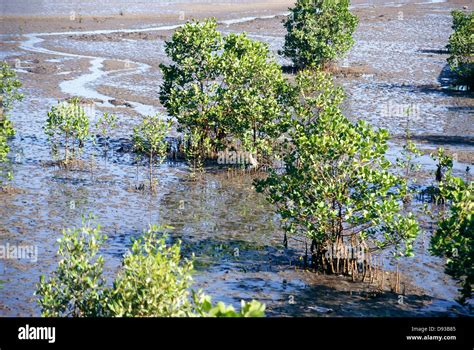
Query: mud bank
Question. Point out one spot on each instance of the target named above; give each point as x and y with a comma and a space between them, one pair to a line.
397, 60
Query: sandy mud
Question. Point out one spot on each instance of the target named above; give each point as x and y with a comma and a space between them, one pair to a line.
111, 60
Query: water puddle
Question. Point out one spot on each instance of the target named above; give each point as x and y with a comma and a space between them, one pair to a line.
232, 230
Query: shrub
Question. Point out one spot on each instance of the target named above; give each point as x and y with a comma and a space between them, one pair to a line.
196, 147
76, 287
189, 83
318, 31
224, 90
454, 238
461, 46
444, 164
149, 138
68, 126
9, 85
335, 187
205, 308
154, 281
105, 124
253, 102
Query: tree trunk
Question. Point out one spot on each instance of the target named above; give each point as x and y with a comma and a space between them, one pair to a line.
151, 170
66, 154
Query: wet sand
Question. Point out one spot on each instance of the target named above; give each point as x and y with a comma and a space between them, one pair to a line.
398, 58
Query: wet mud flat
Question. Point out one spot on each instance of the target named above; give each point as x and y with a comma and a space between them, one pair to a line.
396, 61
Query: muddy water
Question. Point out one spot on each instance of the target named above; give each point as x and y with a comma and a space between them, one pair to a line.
114, 7
231, 229
107, 7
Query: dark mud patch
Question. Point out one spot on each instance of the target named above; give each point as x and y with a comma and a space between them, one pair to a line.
276, 276
113, 65
77, 165
42, 69
123, 96
446, 139
334, 297
85, 102
122, 36
356, 70
220, 213
118, 102
10, 191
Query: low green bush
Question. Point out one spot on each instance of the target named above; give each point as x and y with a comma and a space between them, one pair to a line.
9, 86
318, 32
454, 237
461, 47
149, 139
154, 281
222, 90
67, 126
335, 185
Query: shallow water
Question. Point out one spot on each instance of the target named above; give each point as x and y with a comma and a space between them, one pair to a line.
218, 216
113, 7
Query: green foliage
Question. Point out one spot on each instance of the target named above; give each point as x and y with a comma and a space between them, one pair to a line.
336, 185
154, 281
222, 90
9, 85
252, 102
205, 308
189, 84
106, 123
196, 147
444, 164
67, 125
318, 31
454, 238
407, 155
461, 46
149, 138
406, 160
76, 287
